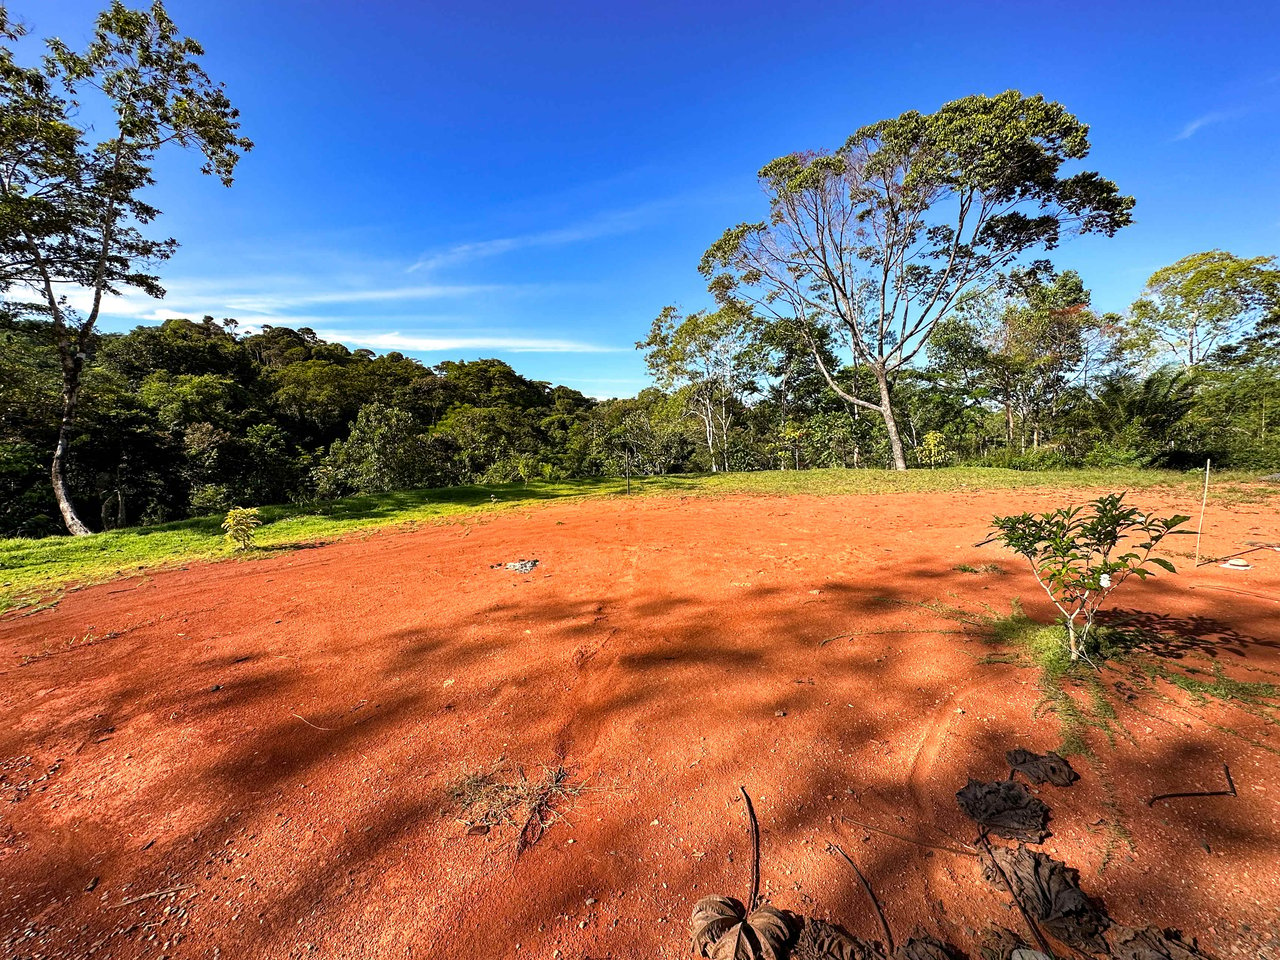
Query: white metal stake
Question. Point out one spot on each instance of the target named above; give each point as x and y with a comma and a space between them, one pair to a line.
1204, 498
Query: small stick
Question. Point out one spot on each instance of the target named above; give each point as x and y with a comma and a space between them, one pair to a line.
310, 724
918, 843
1204, 498
884, 924
1031, 924
1229, 792
155, 893
755, 852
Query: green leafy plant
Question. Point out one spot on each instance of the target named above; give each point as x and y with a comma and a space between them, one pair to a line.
933, 449
1080, 555
240, 524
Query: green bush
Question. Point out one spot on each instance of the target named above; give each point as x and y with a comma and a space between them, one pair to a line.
1080, 558
240, 525
1106, 455
1041, 458
210, 498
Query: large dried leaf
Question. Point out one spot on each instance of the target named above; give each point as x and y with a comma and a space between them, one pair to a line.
1006, 808
923, 947
721, 930
712, 916
999, 943
1049, 768
822, 941
1131, 943
1050, 891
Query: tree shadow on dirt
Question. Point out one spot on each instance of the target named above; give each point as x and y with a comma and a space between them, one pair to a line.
664, 706
1175, 637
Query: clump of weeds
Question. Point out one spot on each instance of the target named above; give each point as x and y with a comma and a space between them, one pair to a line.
501, 795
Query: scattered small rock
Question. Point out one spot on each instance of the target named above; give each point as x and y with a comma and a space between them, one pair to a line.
519, 566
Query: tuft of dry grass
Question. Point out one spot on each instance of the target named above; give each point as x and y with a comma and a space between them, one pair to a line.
498, 795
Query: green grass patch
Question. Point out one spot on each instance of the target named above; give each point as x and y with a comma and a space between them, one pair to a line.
1215, 685
35, 570
981, 568
1026, 643
1074, 693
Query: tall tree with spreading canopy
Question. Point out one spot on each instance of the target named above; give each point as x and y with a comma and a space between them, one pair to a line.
1203, 302
878, 241
72, 213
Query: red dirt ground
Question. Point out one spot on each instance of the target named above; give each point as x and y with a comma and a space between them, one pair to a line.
276, 738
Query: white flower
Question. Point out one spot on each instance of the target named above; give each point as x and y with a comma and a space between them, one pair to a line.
1104, 581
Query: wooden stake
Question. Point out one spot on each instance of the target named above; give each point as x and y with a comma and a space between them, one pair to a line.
1204, 498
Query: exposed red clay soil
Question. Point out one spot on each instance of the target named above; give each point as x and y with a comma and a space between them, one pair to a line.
276, 738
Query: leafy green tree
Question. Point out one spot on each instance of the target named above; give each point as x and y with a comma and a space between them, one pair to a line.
1138, 420
878, 241
932, 451
72, 209
1021, 349
710, 360
1236, 414
386, 451
178, 346
837, 438
1203, 302
187, 398
1081, 556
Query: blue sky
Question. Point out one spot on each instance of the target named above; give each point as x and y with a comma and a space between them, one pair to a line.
535, 181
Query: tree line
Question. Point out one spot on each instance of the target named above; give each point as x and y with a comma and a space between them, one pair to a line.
896, 307
192, 417
1025, 375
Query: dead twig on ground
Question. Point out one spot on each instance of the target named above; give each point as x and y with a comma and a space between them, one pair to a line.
1229, 792
310, 724
541, 802
154, 894
905, 839
755, 852
884, 924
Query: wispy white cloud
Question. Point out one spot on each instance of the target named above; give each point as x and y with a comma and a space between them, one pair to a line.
612, 223
446, 342
271, 300
269, 303
1208, 119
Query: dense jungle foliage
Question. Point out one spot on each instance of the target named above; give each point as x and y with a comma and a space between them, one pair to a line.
192, 417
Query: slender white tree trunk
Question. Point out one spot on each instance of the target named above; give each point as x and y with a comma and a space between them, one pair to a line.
61, 492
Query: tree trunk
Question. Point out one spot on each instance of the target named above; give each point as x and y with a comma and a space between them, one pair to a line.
70, 396
890, 421
710, 430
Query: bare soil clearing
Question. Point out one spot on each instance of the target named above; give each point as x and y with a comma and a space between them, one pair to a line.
271, 746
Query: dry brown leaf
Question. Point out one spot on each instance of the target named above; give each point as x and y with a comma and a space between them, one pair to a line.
1152, 943
721, 930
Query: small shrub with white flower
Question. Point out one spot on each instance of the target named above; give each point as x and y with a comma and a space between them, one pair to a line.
1080, 555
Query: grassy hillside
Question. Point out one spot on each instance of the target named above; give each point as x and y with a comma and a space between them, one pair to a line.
34, 571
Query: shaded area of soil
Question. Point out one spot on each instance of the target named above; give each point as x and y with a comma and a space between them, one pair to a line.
279, 738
